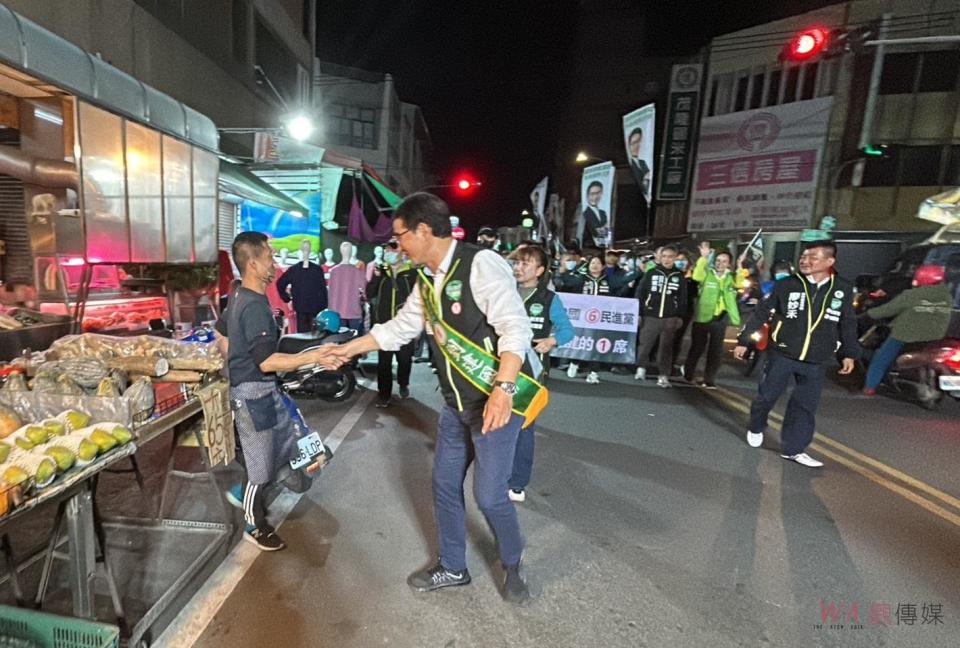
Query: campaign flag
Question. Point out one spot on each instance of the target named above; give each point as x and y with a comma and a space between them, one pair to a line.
638, 130
595, 217
538, 205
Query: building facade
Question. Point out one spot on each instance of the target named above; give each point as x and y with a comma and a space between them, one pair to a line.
244, 63
362, 116
780, 142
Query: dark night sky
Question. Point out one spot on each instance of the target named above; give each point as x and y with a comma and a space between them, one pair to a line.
490, 76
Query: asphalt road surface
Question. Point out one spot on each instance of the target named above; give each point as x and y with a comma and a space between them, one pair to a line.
649, 522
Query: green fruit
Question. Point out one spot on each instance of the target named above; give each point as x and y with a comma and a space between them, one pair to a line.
15, 475
87, 451
54, 427
24, 443
45, 473
4, 451
64, 458
117, 431
77, 443
75, 419
103, 440
36, 434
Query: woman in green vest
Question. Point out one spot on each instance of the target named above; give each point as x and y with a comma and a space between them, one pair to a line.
716, 306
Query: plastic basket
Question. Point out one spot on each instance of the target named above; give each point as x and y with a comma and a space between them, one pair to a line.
19, 626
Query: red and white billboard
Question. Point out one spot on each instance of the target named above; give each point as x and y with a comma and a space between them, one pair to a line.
759, 168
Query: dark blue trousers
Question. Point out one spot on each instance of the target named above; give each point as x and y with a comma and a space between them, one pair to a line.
459, 441
523, 458
799, 420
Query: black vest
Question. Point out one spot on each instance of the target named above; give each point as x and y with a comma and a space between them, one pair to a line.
459, 310
538, 310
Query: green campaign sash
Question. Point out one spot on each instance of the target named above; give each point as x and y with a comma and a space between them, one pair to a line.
476, 364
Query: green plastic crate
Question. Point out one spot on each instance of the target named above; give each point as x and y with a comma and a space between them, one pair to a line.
22, 628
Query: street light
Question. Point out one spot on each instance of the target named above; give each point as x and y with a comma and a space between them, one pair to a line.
583, 157
300, 127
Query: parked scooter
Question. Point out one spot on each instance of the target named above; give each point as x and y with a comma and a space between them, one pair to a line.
315, 381
924, 372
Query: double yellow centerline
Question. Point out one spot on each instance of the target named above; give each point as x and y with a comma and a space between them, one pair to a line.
931, 499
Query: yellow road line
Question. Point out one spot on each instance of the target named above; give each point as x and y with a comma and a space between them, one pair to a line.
946, 498
924, 503
741, 404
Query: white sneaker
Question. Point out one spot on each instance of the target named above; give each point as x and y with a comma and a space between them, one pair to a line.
593, 378
754, 439
516, 496
572, 370
804, 460
663, 381
641, 374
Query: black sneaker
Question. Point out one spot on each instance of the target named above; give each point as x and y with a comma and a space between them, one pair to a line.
436, 577
515, 588
265, 538
383, 402
404, 392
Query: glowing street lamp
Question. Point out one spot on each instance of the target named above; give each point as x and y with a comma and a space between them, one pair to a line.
300, 128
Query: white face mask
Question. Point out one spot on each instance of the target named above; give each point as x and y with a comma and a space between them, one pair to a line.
391, 257
570, 265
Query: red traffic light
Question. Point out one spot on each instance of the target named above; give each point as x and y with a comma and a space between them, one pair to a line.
465, 184
807, 44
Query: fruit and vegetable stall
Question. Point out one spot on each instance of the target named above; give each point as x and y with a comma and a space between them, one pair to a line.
87, 406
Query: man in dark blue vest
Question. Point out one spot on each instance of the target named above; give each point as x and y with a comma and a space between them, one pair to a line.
479, 334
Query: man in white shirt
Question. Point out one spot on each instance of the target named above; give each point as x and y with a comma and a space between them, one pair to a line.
473, 301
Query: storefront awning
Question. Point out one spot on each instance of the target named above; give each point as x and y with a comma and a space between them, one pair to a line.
392, 199
30, 48
241, 182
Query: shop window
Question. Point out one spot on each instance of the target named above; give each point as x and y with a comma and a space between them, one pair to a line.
353, 126
104, 186
939, 72
920, 166
899, 73
712, 108
206, 167
144, 193
880, 172
740, 99
773, 90
809, 86
756, 93
790, 88
177, 203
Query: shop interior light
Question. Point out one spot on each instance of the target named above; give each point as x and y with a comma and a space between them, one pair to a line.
300, 128
46, 115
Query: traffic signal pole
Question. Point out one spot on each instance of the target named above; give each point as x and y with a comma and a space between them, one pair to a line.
869, 112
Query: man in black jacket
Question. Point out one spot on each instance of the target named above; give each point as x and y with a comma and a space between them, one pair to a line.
811, 320
663, 301
390, 286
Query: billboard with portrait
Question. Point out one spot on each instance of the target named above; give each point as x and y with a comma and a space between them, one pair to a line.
638, 130
595, 218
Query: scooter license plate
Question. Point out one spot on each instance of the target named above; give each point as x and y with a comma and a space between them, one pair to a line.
307, 448
950, 383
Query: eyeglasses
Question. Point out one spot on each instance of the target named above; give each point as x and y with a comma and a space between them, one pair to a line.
395, 241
